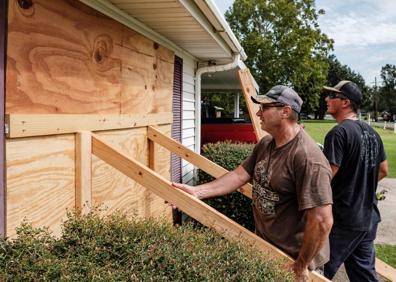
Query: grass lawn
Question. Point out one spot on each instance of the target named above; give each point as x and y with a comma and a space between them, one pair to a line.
386, 253
319, 128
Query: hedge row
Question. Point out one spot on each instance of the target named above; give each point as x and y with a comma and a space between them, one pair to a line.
235, 205
93, 248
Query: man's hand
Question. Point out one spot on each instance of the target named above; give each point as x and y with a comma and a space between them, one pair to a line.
187, 188
301, 273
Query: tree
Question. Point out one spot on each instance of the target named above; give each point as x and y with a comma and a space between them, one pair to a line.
336, 73
284, 44
388, 88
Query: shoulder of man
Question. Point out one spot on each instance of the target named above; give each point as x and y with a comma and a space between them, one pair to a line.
309, 149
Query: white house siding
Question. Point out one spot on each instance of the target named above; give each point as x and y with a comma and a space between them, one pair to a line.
188, 119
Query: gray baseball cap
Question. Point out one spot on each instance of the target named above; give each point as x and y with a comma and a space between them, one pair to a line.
280, 94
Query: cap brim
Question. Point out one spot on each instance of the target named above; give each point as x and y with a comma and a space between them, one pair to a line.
262, 99
332, 89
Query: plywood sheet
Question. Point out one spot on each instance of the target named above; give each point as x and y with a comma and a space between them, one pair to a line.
64, 57
147, 83
113, 191
40, 181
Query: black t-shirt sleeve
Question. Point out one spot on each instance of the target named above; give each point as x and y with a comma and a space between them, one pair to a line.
381, 151
334, 146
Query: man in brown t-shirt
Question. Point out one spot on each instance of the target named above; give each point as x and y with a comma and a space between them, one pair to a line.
291, 183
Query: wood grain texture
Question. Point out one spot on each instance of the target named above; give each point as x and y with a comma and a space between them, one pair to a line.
26, 125
113, 191
83, 172
40, 181
385, 270
156, 206
64, 57
152, 87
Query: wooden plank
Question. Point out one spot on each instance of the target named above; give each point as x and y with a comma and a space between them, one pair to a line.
203, 163
248, 91
21, 125
385, 270
189, 204
83, 171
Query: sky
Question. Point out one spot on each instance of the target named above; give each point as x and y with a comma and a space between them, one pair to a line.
364, 32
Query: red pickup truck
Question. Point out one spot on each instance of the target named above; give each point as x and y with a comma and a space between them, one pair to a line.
222, 129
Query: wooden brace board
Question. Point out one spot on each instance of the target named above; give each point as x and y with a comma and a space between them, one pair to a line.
189, 155
186, 202
248, 90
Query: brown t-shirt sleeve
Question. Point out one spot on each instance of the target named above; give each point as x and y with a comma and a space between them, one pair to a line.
313, 184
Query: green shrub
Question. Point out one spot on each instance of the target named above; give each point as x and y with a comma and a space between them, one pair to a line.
235, 205
93, 248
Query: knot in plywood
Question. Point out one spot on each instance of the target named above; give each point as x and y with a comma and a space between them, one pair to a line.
25, 7
103, 47
25, 4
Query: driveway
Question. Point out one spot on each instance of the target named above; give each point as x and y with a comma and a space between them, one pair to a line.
386, 229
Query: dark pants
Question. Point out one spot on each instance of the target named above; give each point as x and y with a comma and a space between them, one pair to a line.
356, 250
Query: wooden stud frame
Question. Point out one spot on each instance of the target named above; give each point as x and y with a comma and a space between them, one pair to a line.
186, 202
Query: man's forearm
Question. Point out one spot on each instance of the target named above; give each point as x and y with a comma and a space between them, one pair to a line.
317, 229
223, 185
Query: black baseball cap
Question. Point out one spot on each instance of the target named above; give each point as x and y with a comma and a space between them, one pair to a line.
347, 88
280, 94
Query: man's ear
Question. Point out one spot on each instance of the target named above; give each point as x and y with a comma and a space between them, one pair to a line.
346, 103
286, 111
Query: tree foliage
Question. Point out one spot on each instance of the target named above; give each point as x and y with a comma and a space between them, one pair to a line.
336, 73
284, 44
388, 88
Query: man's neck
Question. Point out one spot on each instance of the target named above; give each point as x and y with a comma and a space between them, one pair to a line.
285, 133
346, 115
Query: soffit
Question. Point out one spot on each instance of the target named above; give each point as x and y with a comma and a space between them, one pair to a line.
181, 22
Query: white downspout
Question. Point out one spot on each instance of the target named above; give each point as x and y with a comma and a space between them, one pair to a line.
236, 62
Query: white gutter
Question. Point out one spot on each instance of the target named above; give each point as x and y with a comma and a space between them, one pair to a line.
236, 63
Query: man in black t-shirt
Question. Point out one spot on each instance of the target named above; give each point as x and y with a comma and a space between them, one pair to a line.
358, 161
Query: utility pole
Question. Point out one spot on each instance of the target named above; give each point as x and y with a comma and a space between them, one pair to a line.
375, 100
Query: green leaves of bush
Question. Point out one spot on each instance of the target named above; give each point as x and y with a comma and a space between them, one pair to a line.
235, 205
93, 248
